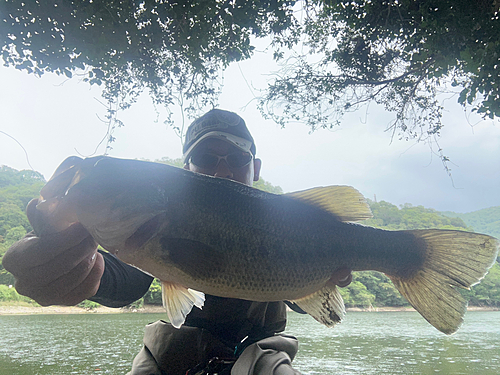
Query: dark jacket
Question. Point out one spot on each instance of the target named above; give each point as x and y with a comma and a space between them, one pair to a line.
228, 319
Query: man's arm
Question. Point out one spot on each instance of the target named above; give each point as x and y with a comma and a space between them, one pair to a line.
121, 284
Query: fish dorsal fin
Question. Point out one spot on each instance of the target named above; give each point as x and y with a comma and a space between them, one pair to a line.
345, 202
179, 301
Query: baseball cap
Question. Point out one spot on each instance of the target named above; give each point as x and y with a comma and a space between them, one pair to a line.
220, 124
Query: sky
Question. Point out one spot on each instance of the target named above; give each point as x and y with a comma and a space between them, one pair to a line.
53, 118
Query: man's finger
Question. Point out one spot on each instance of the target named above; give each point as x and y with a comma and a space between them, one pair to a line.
81, 283
35, 216
88, 288
53, 269
342, 277
33, 251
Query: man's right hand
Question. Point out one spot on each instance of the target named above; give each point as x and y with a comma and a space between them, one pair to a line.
55, 269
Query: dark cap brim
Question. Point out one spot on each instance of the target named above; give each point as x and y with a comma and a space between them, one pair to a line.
241, 143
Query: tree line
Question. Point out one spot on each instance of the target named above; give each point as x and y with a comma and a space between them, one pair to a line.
374, 289
368, 289
17, 188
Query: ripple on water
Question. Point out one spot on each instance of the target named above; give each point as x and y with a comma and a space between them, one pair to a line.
397, 343
367, 343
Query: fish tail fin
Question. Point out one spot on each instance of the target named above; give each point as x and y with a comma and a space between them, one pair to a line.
326, 305
178, 301
453, 260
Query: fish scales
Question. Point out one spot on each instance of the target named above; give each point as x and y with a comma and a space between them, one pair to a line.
200, 233
242, 247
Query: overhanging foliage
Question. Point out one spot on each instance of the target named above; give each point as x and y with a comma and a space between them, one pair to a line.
175, 50
397, 53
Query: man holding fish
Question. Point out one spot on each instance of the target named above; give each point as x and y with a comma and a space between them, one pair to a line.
65, 268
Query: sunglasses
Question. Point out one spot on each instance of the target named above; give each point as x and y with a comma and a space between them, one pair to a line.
208, 161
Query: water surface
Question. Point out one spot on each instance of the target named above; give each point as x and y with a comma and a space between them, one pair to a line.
367, 343
397, 343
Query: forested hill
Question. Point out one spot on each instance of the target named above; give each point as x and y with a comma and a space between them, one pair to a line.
391, 217
17, 188
375, 289
485, 221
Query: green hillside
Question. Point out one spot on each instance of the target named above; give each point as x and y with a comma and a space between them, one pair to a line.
17, 188
375, 289
388, 216
485, 221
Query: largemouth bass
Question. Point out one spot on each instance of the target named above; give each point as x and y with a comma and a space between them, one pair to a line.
200, 234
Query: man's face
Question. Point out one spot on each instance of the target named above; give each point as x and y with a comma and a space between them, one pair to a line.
245, 175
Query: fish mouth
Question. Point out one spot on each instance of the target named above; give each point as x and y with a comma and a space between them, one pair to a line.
62, 178
145, 232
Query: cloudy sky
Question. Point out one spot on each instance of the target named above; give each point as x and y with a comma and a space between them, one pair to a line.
53, 118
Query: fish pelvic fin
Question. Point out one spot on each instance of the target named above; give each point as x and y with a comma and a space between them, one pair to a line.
326, 305
453, 260
345, 202
178, 301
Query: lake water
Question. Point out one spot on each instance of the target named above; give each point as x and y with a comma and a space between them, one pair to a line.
366, 343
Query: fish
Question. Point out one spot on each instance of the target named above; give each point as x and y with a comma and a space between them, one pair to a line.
206, 235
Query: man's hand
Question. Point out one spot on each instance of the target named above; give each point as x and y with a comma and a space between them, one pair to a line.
342, 277
55, 269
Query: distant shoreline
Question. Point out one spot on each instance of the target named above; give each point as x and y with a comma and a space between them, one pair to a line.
29, 310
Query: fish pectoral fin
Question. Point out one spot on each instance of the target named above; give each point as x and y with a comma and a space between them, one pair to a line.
179, 301
345, 202
326, 305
